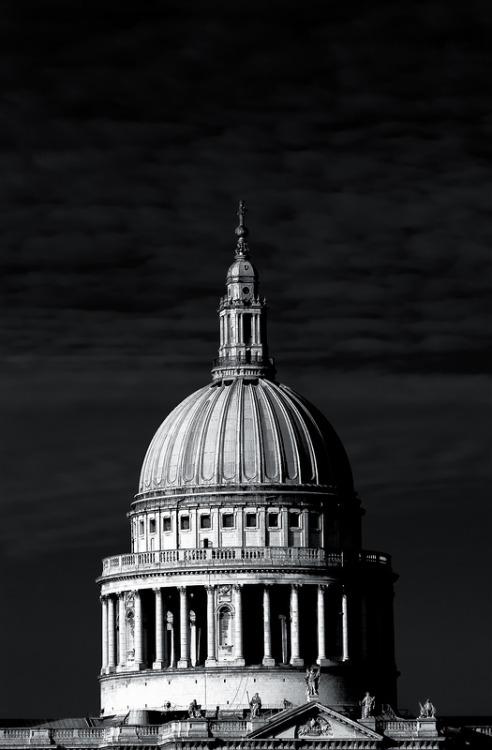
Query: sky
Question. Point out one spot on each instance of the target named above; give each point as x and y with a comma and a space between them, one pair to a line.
359, 135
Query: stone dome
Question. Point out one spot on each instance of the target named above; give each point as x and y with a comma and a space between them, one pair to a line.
244, 432
242, 270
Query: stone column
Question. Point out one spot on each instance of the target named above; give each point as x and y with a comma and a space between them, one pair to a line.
238, 628
104, 607
111, 634
138, 663
122, 632
159, 631
211, 660
321, 660
184, 627
170, 627
345, 649
268, 660
295, 658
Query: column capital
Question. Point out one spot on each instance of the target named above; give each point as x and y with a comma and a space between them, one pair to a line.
157, 590
182, 589
210, 588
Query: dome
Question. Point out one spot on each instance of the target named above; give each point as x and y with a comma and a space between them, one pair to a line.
244, 432
242, 270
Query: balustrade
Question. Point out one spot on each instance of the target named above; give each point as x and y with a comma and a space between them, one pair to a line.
256, 556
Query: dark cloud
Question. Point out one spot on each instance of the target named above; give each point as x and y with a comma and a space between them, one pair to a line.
361, 143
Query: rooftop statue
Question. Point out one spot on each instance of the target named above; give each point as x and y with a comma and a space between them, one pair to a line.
428, 710
367, 704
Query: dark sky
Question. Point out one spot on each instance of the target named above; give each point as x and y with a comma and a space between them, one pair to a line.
359, 134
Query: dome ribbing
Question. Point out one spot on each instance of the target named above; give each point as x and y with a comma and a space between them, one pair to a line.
244, 432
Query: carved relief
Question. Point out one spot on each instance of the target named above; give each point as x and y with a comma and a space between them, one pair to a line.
315, 727
224, 593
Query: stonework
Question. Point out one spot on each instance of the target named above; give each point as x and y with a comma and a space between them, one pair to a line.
246, 612
246, 565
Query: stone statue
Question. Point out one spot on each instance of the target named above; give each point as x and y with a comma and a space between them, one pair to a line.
194, 710
427, 711
255, 705
367, 704
312, 680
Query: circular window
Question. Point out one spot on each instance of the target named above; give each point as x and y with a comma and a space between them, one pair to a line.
245, 289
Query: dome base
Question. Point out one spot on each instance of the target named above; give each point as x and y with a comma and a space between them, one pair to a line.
229, 688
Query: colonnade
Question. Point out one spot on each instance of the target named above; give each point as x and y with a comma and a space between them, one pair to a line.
117, 617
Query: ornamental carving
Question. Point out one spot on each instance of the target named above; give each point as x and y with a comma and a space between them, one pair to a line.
129, 599
224, 593
315, 727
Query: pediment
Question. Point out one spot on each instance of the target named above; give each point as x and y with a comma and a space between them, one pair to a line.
313, 721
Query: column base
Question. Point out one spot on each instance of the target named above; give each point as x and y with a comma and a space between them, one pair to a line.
160, 664
268, 661
323, 661
427, 727
296, 661
122, 668
184, 663
110, 670
239, 661
135, 666
212, 662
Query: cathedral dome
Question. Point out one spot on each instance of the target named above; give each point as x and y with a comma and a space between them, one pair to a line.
244, 431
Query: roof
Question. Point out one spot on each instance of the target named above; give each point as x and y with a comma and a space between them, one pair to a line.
245, 432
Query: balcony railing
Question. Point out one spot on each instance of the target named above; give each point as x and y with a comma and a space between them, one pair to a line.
245, 557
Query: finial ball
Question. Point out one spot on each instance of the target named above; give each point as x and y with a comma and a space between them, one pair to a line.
241, 231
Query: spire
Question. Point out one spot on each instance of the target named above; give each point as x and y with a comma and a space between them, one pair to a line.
243, 349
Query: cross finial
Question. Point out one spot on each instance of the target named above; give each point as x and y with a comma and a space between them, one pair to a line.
241, 212
241, 230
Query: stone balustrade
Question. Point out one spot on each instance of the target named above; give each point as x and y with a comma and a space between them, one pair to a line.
245, 557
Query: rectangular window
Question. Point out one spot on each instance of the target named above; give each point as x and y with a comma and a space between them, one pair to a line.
251, 520
315, 521
141, 528
205, 522
227, 521
184, 523
152, 525
273, 520
166, 523
294, 520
